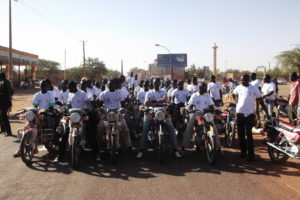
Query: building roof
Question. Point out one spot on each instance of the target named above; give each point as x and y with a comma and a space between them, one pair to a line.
21, 57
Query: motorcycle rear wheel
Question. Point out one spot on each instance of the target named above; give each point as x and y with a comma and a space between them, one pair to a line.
277, 156
26, 150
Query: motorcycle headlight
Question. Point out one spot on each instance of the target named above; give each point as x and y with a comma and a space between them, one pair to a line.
160, 115
232, 110
29, 116
209, 117
111, 117
75, 117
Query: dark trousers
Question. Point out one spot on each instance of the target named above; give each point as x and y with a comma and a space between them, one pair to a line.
244, 126
5, 125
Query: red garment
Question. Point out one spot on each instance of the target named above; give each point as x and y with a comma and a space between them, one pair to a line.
294, 94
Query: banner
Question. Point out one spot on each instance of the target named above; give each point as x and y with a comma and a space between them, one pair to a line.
171, 60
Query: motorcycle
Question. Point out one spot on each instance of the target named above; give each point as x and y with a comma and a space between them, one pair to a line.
283, 140
76, 118
206, 133
39, 130
158, 138
112, 140
281, 107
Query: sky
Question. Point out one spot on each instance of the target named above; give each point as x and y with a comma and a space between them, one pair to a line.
249, 33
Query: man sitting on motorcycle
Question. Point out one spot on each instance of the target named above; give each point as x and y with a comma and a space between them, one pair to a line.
41, 100
111, 99
201, 101
153, 98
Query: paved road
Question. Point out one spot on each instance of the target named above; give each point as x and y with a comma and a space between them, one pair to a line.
187, 178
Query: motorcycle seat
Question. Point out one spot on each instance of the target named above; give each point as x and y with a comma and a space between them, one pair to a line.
287, 126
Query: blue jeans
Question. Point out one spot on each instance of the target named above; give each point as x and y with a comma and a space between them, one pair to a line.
169, 127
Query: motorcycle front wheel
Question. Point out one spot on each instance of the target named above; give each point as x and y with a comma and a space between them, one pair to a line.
161, 149
75, 152
230, 134
113, 153
277, 156
210, 148
26, 149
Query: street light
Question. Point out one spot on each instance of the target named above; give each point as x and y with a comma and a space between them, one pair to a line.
11, 70
170, 62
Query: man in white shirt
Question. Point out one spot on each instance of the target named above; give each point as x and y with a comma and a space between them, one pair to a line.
201, 101
152, 99
170, 91
268, 93
247, 94
180, 95
142, 93
53, 90
194, 87
64, 93
138, 88
215, 91
77, 98
131, 81
44, 98
112, 101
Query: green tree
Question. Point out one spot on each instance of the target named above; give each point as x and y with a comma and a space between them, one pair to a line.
290, 60
137, 70
195, 71
46, 67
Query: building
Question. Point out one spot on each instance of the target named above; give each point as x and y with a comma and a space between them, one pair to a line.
25, 62
165, 72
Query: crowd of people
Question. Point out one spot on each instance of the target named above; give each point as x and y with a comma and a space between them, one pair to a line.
112, 94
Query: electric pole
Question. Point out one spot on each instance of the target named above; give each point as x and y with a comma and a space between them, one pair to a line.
65, 72
121, 67
83, 49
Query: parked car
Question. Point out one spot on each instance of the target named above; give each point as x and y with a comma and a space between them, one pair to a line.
281, 81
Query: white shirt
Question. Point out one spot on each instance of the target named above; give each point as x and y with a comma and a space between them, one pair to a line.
170, 92
141, 96
124, 93
43, 101
55, 93
111, 100
267, 88
200, 102
131, 82
97, 91
180, 95
136, 90
214, 90
63, 97
194, 89
78, 99
90, 93
153, 95
246, 99
256, 83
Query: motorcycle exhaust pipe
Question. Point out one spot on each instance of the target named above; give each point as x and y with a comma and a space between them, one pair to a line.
279, 149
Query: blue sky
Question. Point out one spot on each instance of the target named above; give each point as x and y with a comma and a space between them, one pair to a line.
249, 33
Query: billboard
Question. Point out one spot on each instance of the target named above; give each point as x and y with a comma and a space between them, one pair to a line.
172, 60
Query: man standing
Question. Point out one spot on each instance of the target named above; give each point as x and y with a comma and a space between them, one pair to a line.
247, 94
268, 92
5, 103
256, 82
215, 91
294, 97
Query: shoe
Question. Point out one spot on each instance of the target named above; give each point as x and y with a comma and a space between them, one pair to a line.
56, 159
139, 155
178, 155
17, 154
98, 158
8, 134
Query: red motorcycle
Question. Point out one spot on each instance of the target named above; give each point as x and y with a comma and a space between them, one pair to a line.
283, 140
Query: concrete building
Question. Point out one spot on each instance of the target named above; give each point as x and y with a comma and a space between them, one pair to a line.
165, 72
25, 62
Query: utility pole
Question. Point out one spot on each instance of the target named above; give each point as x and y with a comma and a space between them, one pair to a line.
215, 59
11, 69
83, 49
65, 72
121, 67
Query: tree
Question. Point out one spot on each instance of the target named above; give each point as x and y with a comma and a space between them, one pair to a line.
290, 60
45, 68
195, 71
